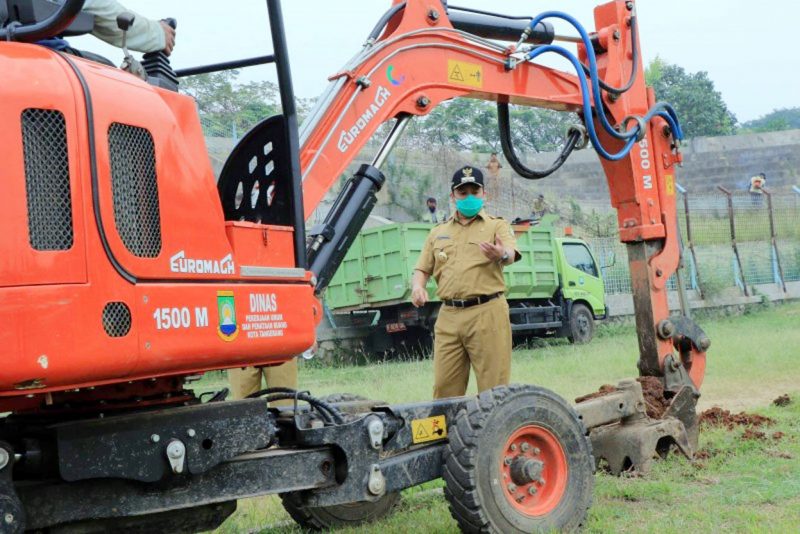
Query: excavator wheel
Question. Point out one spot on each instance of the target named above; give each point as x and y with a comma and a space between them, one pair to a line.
518, 460
343, 515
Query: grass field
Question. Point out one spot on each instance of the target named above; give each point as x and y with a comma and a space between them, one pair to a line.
744, 486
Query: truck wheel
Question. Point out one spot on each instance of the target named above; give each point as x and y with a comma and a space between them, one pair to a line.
581, 324
342, 515
518, 460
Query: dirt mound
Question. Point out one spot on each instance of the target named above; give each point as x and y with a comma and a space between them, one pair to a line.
718, 417
653, 392
602, 392
783, 400
702, 454
654, 399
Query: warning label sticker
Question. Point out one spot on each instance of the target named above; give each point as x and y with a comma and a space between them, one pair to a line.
464, 73
429, 429
670, 183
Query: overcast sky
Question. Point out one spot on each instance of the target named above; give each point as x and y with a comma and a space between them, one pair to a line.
750, 54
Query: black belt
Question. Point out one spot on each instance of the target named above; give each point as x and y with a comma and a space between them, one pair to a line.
468, 303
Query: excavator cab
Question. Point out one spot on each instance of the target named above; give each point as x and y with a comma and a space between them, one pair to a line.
110, 206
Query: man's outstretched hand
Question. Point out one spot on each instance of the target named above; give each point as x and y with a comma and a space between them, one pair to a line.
169, 37
493, 251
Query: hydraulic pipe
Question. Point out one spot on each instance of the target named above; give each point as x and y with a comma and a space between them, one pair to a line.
330, 240
391, 141
497, 27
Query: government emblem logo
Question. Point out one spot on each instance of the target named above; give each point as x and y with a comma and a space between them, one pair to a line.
227, 328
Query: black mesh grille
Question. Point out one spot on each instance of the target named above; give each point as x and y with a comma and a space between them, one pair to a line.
117, 319
135, 190
44, 142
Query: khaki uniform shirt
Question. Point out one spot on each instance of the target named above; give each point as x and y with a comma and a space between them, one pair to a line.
453, 256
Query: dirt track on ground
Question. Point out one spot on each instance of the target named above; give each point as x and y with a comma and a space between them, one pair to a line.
745, 398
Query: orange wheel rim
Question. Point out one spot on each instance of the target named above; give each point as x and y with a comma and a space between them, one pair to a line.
534, 469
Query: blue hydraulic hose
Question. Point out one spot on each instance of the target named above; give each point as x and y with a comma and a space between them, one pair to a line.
660, 109
595, 77
587, 105
593, 74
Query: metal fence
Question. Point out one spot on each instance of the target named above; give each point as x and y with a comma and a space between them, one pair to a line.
730, 239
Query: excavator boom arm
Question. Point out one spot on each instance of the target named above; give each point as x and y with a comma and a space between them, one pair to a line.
423, 57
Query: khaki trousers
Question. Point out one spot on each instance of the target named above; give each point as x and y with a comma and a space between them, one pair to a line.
480, 336
247, 381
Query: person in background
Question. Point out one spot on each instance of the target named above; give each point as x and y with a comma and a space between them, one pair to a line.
493, 183
540, 207
432, 214
246, 381
757, 184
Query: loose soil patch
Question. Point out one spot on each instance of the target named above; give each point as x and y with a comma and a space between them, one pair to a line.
783, 400
754, 435
718, 417
702, 454
653, 392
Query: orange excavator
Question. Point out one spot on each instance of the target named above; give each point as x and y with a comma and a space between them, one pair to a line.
127, 271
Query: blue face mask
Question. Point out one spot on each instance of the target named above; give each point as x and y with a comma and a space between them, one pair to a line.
470, 206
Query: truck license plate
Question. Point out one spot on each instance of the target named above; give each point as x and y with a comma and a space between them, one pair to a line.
393, 328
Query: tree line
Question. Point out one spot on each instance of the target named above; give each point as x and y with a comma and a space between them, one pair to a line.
229, 107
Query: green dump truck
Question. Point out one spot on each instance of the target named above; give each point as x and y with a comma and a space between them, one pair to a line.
555, 289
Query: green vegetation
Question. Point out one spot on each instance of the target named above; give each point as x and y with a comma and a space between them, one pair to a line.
750, 486
229, 108
778, 120
700, 107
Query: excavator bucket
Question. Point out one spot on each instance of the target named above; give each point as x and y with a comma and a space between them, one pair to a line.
625, 438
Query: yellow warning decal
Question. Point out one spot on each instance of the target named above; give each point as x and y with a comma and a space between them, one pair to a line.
429, 429
461, 72
670, 183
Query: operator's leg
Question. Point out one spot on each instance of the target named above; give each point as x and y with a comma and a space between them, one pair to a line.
282, 376
450, 363
488, 343
244, 382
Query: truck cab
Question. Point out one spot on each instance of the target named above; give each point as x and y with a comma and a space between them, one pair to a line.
581, 286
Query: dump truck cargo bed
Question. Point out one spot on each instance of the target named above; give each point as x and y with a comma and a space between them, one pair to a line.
378, 268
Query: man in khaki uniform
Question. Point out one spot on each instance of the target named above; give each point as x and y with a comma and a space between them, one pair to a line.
466, 256
245, 382
493, 180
